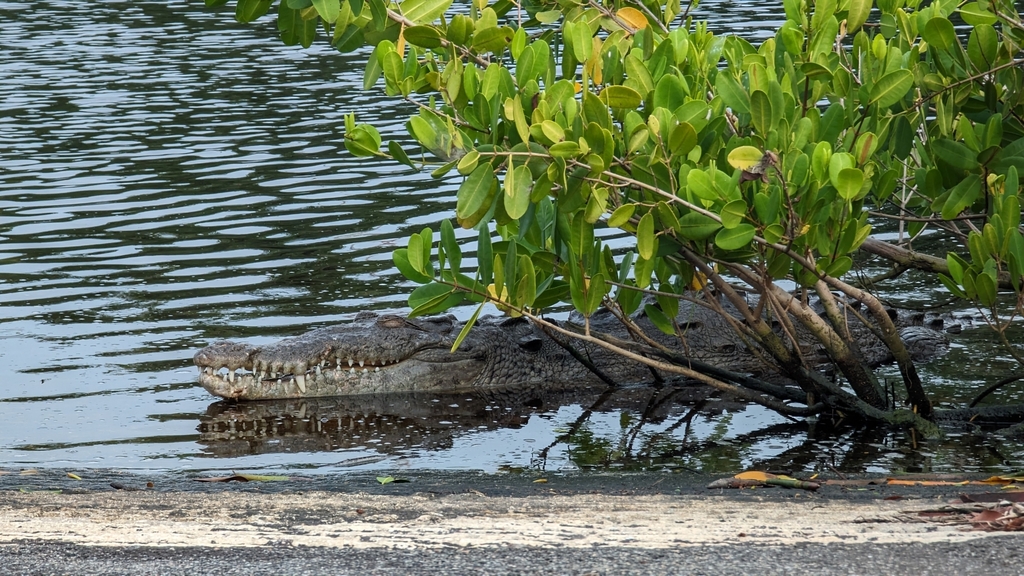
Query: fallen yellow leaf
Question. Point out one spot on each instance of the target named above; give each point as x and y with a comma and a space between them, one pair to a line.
754, 475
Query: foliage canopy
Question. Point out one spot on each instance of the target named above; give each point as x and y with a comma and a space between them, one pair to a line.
734, 166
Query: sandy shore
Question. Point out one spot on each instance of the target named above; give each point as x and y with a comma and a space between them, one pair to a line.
470, 519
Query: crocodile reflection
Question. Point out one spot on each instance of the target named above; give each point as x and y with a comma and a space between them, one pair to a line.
395, 423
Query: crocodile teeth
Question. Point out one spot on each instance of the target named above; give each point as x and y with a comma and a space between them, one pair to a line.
351, 370
300, 381
360, 363
318, 370
376, 369
350, 362
231, 375
273, 375
365, 371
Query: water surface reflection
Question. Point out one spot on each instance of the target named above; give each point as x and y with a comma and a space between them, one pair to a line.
169, 178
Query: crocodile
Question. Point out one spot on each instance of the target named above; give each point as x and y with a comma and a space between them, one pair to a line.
384, 353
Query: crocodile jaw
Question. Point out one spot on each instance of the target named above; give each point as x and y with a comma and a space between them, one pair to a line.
323, 380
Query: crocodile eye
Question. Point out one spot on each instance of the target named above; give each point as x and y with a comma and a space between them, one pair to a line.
391, 321
441, 322
531, 344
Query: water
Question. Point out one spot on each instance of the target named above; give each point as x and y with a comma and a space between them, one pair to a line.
169, 178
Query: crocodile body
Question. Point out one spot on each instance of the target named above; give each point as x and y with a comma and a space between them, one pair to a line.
388, 353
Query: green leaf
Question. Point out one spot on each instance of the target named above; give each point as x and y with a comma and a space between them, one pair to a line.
857, 15
823, 9
328, 9
518, 184
474, 191
423, 36
433, 298
567, 149
955, 154
519, 118
398, 153
424, 11
423, 132
767, 206
956, 267
659, 319
484, 256
939, 32
902, 139
379, 12
732, 93
526, 288
580, 37
682, 139
363, 140
468, 163
552, 131
493, 39
416, 254
733, 213
621, 215
442, 170
849, 183
667, 216
891, 88
595, 293
646, 242
670, 93
374, 68
295, 29
699, 184
952, 286
596, 205
249, 10
695, 226
548, 16
616, 96
961, 196
839, 267
735, 238
985, 284
401, 260
761, 112
975, 15
1015, 258
451, 245
982, 46
815, 71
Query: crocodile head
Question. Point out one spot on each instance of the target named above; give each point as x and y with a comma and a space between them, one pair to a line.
368, 355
